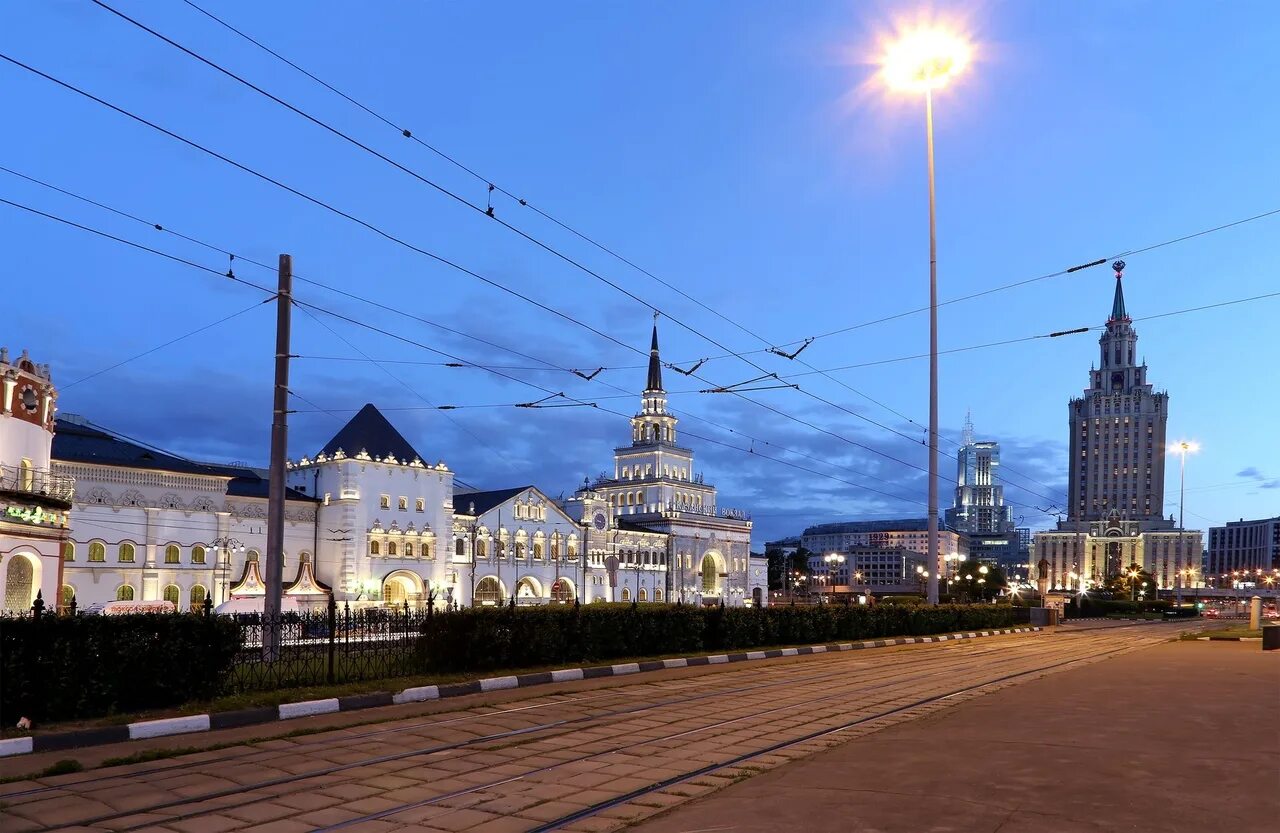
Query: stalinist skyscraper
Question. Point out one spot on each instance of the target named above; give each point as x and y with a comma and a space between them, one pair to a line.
1117, 431
1116, 475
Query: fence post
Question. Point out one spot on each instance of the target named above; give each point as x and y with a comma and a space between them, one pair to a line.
207, 607
37, 607
333, 626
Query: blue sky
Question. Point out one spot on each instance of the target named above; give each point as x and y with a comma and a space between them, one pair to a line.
739, 151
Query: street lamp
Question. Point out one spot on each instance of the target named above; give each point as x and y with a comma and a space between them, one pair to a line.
1183, 448
926, 60
226, 546
833, 558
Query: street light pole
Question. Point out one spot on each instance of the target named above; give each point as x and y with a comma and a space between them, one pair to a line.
923, 61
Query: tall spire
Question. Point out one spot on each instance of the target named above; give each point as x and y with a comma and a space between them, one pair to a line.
1117, 303
655, 365
967, 435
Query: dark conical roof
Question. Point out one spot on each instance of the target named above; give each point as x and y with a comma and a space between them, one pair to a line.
655, 365
1117, 303
370, 431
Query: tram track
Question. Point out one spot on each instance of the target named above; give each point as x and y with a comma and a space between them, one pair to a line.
243, 792
1084, 656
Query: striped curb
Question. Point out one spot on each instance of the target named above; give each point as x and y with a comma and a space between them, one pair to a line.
288, 711
1228, 639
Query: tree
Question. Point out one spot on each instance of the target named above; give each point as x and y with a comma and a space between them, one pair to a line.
1129, 583
780, 564
978, 582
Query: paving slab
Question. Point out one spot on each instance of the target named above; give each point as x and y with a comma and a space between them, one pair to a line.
1178, 737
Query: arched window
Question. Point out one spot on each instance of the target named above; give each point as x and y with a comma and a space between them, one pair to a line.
519, 550
555, 546
488, 591
172, 555
198, 595
197, 554
97, 551
391, 548
252, 556
408, 550
459, 547
482, 551
626, 594
68, 551
124, 593
426, 550
657, 595
537, 550
173, 594
373, 547
125, 554
68, 593
644, 595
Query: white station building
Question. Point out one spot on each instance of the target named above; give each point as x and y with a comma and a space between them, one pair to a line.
96, 517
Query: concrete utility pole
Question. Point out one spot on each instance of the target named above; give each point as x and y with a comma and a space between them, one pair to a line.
276, 486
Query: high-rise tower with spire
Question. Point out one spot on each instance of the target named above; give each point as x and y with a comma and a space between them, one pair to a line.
979, 507
1118, 431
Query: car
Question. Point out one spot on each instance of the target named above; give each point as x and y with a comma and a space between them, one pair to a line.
92, 610
1210, 613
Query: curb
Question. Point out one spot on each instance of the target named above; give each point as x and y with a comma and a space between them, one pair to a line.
189, 724
1229, 639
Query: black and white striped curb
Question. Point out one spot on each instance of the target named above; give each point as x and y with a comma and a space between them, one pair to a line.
288, 711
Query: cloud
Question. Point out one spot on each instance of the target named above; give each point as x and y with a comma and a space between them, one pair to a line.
1252, 472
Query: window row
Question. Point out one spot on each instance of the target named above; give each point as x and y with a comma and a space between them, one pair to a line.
402, 503
172, 593
395, 549
639, 472
126, 552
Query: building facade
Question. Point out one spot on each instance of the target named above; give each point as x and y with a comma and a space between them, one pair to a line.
979, 507
1117, 448
911, 534
97, 518
1244, 545
1116, 475
35, 500
876, 570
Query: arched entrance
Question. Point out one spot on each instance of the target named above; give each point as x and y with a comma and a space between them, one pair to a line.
401, 587
528, 591
757, 597
489, 592
709, 571
21, 580
562, 591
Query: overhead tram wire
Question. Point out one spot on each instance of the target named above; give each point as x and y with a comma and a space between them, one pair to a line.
550, 365
507, 376
613, 253
488, 213
169, 343
539, 243
400, 241
480, 441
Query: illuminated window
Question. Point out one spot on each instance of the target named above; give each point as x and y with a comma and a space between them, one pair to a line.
172, 555
403, 504
420, 505
385, 501
197, 555
173, 594
69, 551
124, 593
373, 548
97, 551
126, 553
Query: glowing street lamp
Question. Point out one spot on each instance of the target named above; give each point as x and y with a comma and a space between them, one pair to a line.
1182, 448
923, 61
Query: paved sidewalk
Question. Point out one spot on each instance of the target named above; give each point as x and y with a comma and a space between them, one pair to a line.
1179, 737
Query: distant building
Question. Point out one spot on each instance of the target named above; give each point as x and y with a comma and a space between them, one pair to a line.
878, 569
1244, 545
910, 534
785, 546
979, 506
1116, 476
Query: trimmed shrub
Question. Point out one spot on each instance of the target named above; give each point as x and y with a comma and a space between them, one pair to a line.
483, 639
67, 667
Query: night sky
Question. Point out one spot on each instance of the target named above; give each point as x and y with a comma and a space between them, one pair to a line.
741, 152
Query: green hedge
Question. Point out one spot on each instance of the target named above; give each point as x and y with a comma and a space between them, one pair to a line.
483, 639
66, 667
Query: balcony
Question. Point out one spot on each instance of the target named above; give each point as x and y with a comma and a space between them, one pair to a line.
37, 486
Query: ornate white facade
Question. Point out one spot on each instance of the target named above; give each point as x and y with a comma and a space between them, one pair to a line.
367, 520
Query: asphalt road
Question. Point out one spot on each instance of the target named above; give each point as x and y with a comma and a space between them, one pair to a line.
584, 758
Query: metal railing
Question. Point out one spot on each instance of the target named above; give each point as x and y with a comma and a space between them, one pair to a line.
37, 482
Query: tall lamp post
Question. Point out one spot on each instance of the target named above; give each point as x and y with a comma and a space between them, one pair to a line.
1183, 448
926, 60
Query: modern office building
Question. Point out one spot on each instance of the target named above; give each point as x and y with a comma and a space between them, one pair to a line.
1244, 545
979, 506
